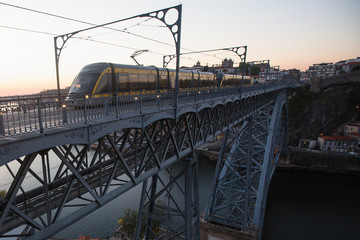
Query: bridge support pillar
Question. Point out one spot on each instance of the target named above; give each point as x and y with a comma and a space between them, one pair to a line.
192, 214
238, 199
168, 207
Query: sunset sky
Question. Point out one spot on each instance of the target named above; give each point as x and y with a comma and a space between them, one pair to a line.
291, 34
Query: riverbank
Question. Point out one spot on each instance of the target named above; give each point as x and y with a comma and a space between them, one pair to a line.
317, 161
302, 159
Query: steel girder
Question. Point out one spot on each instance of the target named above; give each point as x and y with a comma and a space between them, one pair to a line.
243, 173
55, 187
169, 207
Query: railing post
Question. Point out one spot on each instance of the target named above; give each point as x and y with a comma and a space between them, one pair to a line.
40, 115
116, 105
64, 114
85, 110
158, 100
106, 107
2, 127
136, 103
140, 102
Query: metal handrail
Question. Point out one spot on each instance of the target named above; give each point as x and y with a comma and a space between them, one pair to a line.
36, 113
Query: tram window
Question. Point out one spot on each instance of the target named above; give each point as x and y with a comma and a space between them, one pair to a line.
182, 80
163, 81
188, 80
104, 85
123, 82
134, 82
143, 81
203, 81
84, 83
213, 81
151, 81
172, 79
196, 80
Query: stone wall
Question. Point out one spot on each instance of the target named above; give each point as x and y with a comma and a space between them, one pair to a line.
209, 231
338, 162
318, 85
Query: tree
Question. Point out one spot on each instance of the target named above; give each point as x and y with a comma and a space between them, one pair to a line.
128, 221
3, 193
255, 70
206, 68
356, 68
241, 68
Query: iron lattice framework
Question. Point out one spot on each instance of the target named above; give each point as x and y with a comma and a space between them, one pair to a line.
243, 173
72, 176
178, 216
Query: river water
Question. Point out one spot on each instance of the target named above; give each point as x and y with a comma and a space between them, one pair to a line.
308, 205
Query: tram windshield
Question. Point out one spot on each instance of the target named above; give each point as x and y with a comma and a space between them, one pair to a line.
84, 83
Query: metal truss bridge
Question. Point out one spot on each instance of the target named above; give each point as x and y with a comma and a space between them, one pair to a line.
66, 159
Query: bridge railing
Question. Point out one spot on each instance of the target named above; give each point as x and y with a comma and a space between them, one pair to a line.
28, 114
37, 113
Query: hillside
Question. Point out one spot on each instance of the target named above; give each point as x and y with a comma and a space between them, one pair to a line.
311, 114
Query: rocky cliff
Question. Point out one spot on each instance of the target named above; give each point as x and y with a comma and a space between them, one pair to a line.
311, 114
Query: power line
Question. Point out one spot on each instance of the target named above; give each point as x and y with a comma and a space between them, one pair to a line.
45, 13
92, 24
80, 38
93, 40
27, 30
80, 21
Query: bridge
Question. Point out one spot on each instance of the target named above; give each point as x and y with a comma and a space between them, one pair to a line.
67, 158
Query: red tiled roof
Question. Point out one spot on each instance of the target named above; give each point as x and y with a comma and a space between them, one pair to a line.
353, 63
336, 137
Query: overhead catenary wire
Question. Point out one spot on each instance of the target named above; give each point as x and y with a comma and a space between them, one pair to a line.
28, 30
84, 22
80, 38
93, 40
93, 24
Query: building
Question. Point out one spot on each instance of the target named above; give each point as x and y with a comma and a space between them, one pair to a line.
339, 67
351, 64
307, 143
352, 127
322, 70
337, 143
273, 74
295, 73
304, 77
227, 63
